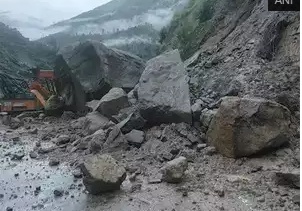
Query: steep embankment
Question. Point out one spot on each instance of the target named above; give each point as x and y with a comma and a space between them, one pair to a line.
127, 25
242, 49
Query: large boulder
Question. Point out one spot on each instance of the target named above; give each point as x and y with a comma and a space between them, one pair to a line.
245, 126
115, 100
89, 70
102, 174
163, 90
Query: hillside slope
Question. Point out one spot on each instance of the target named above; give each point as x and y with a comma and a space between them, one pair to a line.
127, 25
18, 54
240, 49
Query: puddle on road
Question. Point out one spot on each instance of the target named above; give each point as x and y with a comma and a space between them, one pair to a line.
19, 191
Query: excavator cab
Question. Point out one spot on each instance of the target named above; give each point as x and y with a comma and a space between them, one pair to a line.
42, 85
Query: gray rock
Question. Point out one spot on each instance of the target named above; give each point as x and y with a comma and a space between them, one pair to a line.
92, 69
206, 118
245, 126
46, 149
296, 199
133, 121
163, 90
33, 155
91, 122
288, 178
63, 139
135, 137
102, 174
53, 162
116, 141
196, 109
34, 131
77, 174
200, 147
93, 104
131, 98
173, 171
18, 156
58, 192
68, 115
115, 100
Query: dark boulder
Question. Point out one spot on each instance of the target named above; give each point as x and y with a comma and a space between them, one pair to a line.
89, 70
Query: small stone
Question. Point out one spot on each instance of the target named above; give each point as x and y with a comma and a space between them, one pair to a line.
54, 162
200, 147
9, 209
296, 199
18, 156
206, 192
261, 199
174, 170
136, 187
72, 186
33, 155
58, 192
16, 175
135, 137
16, 139
34, 131
38, 144
256, 169
167, 156
77, 174
185, 193
219, 191
210, 151
1, 195
132, 177
63, 139
154, 181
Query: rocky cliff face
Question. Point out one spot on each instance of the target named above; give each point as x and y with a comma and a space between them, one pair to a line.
243, 50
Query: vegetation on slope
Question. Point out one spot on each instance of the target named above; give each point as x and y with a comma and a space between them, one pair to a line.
188, 27
18, 54
145, 50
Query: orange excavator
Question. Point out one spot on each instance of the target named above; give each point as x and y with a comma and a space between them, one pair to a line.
41, 86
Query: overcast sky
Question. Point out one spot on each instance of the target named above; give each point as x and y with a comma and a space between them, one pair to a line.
50, 10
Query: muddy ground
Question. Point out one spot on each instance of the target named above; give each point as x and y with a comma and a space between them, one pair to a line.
212, 182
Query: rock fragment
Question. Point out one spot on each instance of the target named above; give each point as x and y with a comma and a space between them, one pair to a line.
135, 137
102, 173
173, 171
115, 100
